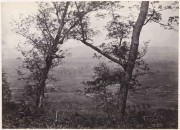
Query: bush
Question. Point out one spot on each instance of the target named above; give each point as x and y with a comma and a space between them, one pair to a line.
6, 92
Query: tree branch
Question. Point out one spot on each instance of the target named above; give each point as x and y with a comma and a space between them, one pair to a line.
66, 33
72, 26
57, 12
43, 34
62, 23
166, 25
80, 18
149, 18
93, 47
45, 23
57, 56
103, 53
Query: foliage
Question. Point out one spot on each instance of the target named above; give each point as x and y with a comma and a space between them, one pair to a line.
121, 45
40, 43
156, 13
6, 92
106, 77
158, 119
119, 27
45, 32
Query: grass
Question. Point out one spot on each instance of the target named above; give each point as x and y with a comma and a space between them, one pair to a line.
71, 118
160, 92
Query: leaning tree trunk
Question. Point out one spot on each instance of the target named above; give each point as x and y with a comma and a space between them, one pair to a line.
132, 57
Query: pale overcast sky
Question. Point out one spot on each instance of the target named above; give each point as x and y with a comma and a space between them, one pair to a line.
153, 32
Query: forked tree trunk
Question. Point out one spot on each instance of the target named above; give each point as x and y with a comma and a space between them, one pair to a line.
132, 57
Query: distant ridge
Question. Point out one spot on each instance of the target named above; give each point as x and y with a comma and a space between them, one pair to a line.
84, 53
152, 52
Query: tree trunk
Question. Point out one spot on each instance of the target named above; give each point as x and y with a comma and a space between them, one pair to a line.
132, 57
40, 95
40, 91
123, 95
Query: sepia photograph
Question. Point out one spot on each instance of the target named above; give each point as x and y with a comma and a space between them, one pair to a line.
89, 64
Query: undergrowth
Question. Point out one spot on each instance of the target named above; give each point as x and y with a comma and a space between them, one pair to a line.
16, 117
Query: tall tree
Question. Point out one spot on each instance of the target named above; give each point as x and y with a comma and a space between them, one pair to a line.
45, 32
124, 34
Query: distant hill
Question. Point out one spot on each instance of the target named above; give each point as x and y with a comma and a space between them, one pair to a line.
162, 53
153, 54
84, 54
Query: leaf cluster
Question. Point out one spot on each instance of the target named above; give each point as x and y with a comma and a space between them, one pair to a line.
104, 76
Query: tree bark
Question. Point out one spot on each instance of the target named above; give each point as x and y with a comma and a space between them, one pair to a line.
132, 57
40, 91
123, 92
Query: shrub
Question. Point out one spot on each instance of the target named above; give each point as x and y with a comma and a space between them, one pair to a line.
6, 92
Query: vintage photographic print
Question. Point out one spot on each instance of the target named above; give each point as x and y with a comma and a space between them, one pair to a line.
90, 64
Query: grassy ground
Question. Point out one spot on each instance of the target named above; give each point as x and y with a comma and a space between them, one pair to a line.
159, 94
71, 118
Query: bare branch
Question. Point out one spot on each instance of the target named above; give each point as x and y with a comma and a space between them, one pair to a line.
57, 56
166, 25
62, 23
66, 33
149, 18
47, 27
57, 12
43, 34
80, 18
103, 53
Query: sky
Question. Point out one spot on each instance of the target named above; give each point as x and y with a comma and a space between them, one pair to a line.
153, 32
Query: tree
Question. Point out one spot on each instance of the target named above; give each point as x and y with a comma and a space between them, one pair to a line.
107, 77
124, 34
45, 32
103, 78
